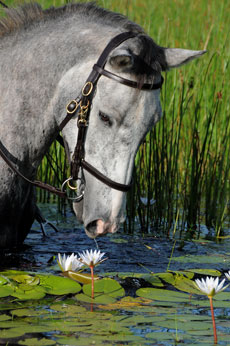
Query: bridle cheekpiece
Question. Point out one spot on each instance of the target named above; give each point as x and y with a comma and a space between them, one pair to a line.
81, 106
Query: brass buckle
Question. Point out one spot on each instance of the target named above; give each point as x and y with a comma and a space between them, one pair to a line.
71, 111
87, 84
84, 107
83, 113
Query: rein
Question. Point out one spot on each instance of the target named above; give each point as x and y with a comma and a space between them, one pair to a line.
3, 5
81, 106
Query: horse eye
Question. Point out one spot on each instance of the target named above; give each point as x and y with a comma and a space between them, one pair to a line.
104, 117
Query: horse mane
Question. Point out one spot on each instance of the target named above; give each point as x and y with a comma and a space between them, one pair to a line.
32, 13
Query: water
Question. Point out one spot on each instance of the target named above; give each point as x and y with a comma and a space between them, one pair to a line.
127, 253
143, 318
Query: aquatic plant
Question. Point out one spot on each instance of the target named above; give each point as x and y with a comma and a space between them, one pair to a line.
211, 287
69, 263
91, 259
228, 275
29, 305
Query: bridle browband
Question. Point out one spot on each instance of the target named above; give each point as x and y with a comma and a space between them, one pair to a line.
81, 107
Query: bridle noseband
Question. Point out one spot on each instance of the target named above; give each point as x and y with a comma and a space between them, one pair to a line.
81, 107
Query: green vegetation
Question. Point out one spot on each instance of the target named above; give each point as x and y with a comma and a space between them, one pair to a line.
46, 309
182, 169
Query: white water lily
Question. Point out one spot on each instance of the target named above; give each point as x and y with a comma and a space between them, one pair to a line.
69, 262
91, 258
210, 286
228, 275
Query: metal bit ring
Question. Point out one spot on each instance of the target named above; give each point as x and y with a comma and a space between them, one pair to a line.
78, 198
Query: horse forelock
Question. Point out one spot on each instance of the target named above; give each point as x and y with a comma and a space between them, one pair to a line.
152, 55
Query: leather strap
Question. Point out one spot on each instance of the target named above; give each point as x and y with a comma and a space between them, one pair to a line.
36, 183
130, 83
86, 101
113, 184
4, 5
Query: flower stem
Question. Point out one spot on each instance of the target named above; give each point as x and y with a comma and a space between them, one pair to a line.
213, 321
92, 277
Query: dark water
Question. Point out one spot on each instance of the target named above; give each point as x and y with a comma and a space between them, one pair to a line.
126, 253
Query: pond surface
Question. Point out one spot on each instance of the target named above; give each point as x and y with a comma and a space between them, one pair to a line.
151, 311
126, 253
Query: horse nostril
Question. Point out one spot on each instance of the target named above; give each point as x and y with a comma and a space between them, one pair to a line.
92, 224
91, 229
96, 228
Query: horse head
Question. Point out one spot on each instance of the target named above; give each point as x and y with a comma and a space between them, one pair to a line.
53, 54
120, 117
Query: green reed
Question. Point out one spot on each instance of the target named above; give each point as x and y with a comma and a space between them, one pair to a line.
182, 168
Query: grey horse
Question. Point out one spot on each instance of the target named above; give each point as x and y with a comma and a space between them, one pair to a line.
45, 58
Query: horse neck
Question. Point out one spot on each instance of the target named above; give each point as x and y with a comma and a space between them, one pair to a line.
39, 61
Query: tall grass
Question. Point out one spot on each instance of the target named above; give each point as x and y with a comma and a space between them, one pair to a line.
183, 166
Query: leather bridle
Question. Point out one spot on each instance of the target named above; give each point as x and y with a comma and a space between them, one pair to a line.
81, 107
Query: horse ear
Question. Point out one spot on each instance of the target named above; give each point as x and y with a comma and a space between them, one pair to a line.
121, 59
175, 57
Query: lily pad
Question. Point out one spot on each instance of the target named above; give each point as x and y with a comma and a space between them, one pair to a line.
11, 333
162, 295
10, 273
36, 292
189, 274
83, 278
58, 285
37, 342
3, 280
68, 310
5, 291
208, 272
98, 298
29, 312
105, 286
154, 280
72, 341
209, 259
184, 284
159, 336
180, 325
26, 279
4, 318
118, 240
128, 303
167, 277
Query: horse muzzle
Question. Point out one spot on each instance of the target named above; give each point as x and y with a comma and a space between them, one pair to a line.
99, 227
